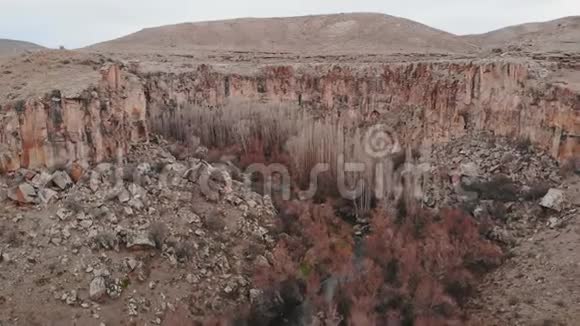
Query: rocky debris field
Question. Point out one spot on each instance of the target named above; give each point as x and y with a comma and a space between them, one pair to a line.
128, 243
529, 204
154, 237
512, 189
505, 184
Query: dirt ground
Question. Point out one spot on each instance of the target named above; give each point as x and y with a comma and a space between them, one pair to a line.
97, 254
540, 283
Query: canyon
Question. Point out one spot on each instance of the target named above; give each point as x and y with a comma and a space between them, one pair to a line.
435, 99
111, 215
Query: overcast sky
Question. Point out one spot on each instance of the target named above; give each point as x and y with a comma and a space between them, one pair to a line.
77, 23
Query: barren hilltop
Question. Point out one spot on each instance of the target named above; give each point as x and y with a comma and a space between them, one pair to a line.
557, 35
13, 47
338, 33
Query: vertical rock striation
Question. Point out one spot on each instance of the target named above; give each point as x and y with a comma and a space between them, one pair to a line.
438, 100
57, 130
435, 99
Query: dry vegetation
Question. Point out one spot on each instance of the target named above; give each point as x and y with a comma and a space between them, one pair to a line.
290, 136
414, 267
417, 270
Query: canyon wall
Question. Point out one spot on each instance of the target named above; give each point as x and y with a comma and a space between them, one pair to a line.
439, 100
435, 100
57, 130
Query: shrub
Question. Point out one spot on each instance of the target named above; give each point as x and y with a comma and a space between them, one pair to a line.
523, 144
106, 240
13, 238
74, 206
215, 222
459, 286
184, 251
536, 191
393, 275
499, 188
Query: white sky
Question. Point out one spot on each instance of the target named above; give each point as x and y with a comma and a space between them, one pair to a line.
77, 23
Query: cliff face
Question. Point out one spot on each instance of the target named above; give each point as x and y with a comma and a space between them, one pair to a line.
438, 100
435, 99
56, 130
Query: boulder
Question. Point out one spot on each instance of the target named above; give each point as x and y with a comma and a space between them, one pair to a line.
27, 174
136, 203
140, 241
469, 169
124, 196
62, 213
62, 180
24, 194
553, 222
41, 179
554, 200
46, 195
215, 179
104, 168
201, 152
501, 235
173, 174
164, 157
76, 172
194, 171
144, 169
98, 289
137, 191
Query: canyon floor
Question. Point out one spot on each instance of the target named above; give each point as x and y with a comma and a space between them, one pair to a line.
88, 239
156, 248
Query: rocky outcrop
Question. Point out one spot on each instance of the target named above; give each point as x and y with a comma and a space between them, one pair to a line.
58, 130
430, 99
439, 99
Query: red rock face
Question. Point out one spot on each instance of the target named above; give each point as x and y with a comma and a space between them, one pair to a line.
437, 100
55, 131
447, 98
